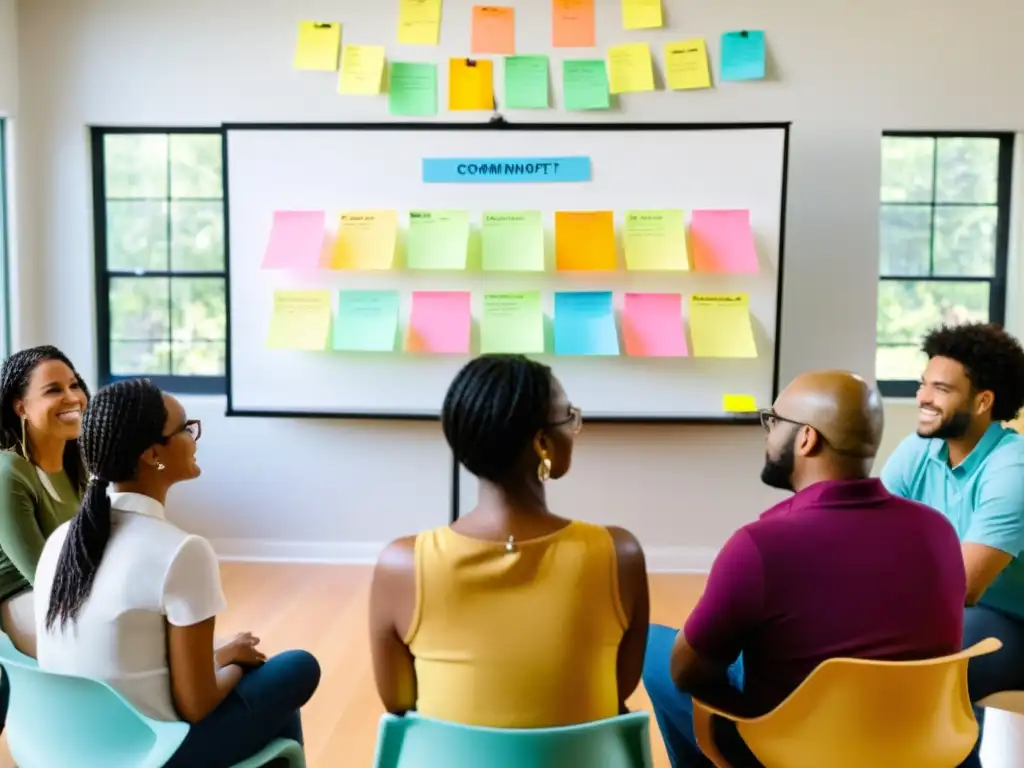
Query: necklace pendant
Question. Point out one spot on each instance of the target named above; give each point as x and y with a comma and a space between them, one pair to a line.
510, 545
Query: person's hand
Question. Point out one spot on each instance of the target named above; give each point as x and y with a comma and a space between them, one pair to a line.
242, 651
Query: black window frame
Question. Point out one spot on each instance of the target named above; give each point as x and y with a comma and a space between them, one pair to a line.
998, 281
173, 383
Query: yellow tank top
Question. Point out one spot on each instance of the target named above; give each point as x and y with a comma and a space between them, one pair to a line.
523, 639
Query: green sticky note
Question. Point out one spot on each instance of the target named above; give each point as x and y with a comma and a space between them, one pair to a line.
513, 241
512, 323
526, 82
366, 321
585, 84
412, 89
655, 241
437, 240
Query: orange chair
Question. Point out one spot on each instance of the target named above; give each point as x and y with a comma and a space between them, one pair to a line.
851, 713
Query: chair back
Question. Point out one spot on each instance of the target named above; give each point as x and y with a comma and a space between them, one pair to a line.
413, 741
852, 712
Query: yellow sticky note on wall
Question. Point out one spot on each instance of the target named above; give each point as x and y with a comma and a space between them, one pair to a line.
739, 403
686, 65
630, 68
366, 240
419, 22
470, 84
641, 14
300, 320
720, 325
317, 46
362, 70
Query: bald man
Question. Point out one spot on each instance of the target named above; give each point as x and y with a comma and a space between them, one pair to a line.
842, 568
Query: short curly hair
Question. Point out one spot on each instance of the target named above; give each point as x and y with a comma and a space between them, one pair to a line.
992, 359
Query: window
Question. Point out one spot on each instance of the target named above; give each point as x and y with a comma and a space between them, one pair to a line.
160, 258
945, 223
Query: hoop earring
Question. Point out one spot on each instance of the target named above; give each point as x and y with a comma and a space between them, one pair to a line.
544, 469
24, 439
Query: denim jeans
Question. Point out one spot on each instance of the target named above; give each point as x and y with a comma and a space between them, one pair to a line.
263, 706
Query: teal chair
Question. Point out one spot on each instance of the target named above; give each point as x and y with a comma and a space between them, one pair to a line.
413, 741
60, 720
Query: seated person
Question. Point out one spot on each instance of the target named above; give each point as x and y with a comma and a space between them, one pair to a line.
124, 596
840, 569
970, 467
511, 617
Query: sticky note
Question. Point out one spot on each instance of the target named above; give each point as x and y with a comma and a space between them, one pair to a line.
585, 240
439, 323
300, 320
512, 323
362, 70
526, 82
367, 321
585, 323
512, 241
655, 241
419, 22
641, 14
739, 403
412, 89
585, 84
652, 325
722, 241
686, 65
572, 24
494, 29
437, 240
743, 55
366, 240
317, 46
296, 240
720, 326
630, 69
470, 84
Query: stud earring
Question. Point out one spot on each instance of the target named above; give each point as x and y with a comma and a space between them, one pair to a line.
160, 467
544, 469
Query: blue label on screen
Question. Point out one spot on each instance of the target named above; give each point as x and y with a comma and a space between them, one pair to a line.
505, 169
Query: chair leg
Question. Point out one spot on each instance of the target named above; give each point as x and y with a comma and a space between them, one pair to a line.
702, 729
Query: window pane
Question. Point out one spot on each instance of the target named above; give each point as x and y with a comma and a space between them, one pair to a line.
198, 358
128, 358
968, 171
904, 363
196, 165
965, 240
135, 165
197, 236
906, 239
136, 236
908, 309
198, 309
139, 308
907, 169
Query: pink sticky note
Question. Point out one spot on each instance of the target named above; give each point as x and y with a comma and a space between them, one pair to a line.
439, 322
722, 241
296, 240
652, 325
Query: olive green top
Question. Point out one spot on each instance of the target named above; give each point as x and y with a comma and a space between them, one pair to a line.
28, 515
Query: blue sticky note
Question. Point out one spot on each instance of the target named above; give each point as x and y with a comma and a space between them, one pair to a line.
585, 323
743, 55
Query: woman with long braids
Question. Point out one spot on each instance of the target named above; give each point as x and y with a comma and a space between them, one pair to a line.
124, 596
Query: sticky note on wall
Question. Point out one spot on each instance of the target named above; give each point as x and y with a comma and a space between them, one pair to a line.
686, 65
739, 404
641, 14
366, 240
300, 320
317, 46
296, 240
585, 240
630, 68
720, 325
412, 89
585, 84
652, 325
419, 22
722, 241
526, 82
437, 240
439, 323
512, 241
572, 24
366, 321
512, 323
470, 84
585, 323
362, 70
655, 241
743, 55
493, 29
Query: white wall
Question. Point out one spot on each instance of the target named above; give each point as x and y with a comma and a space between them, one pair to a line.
334, 489
8, 58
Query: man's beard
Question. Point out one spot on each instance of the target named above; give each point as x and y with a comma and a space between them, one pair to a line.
778, 473
953, 427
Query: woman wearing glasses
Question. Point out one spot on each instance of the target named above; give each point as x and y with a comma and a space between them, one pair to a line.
124, 596
512, 617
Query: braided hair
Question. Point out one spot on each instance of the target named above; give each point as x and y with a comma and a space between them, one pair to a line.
120, 423
494, 407
14, 377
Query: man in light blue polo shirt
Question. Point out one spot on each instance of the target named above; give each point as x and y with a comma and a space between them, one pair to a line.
966, 464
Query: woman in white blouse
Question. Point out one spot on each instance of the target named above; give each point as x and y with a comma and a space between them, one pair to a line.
124, 596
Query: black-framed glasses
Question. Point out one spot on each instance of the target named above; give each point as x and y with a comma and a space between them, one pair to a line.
193, 426
574, 420
770, 418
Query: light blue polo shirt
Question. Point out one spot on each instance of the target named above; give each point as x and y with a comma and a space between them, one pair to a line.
983, 498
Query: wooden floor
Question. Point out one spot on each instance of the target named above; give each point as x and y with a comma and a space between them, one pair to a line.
323, 609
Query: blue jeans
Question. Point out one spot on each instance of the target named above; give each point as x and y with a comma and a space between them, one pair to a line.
673, 709
263, 706
995, 672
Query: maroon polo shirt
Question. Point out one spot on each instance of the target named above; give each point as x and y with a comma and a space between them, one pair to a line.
842, 568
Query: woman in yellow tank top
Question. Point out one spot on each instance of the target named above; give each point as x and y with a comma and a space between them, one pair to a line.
511, 617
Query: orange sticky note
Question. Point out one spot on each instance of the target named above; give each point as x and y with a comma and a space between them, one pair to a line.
585, 240
572, 23
494, 30
470, 84
722, 241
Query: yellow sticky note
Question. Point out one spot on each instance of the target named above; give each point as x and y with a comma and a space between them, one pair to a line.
739, 404
300, 320
470, 84
419, 22
655, 241
641, 14
720, 325
630, 68
362, 70
366, 240
317, 46
686, 65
